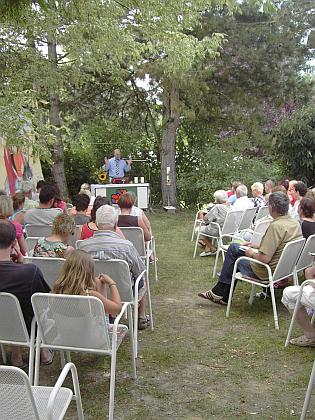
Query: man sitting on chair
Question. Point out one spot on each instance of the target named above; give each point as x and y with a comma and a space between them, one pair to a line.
282, 230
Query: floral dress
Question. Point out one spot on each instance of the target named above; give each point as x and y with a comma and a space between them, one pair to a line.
45, 248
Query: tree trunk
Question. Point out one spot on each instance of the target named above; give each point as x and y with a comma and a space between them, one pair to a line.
171, 120
58, 167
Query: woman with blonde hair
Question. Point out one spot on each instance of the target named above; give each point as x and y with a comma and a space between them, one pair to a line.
18, 200
6, 212
77, 278
56, 245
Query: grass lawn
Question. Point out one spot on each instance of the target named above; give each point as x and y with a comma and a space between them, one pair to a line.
197, 364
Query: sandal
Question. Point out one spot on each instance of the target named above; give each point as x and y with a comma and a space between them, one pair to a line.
143, 323
209, 295
303, 341
49, 362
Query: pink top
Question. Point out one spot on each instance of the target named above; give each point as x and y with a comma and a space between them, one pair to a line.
18, 229
87, 232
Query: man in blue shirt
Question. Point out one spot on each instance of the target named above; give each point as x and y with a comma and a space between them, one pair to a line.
116, 167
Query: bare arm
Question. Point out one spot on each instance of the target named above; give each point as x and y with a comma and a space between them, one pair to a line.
146, 232
112, 306
259, 257
22, 245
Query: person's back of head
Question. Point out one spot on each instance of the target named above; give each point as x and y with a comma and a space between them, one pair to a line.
6, 206
279, 203
27, 188
220, 196
40, 184
7, 234
126, 200
235, 184
63, 226
300, 188
279, 188
18, 200
85, 186
285, 183
268, 186
307, 207
81, 202
241, 191
106, 218
98, 202
47, 195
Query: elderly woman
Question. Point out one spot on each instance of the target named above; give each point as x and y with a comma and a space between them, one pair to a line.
217, 214
257, 193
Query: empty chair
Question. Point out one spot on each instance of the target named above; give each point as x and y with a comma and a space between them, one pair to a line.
38, 230
19, 400
305, 259
284, 269
262, 212
50, 267
78, 323
13, 330
247, 219
31, 241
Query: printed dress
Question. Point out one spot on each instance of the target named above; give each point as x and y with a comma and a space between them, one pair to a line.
45, 248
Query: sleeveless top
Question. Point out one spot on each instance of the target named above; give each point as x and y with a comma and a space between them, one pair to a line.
87, 232
45, 248
126, 220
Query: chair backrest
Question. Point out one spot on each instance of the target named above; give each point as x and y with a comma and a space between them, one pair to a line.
288, 259
119, 271
30, 242
12, 324
71, 322
247, 218
73, 238
305, 259
259, 231
38, 230
262, 212
232, 221
16, 397
77, 243
136, 237
50, 267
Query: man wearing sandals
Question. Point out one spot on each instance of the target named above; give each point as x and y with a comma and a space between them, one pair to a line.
289, 298
282, 230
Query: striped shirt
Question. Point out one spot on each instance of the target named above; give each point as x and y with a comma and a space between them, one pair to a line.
259, 202
106, 245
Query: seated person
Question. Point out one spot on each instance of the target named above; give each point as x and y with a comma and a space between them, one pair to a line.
22, 280
269, 186
77, 278
59, 203
107, 244
282, 230
27, 188
232, 193
306, 213
6, 212
81, 203
242, 201
45, 213
289, 298
217, 214
56, 245
257, 193
88, 229
299, 191
125, 219
137, 211
18, 200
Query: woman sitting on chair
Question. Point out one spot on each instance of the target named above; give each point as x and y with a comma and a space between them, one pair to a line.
56, 245
306, 212
77, 278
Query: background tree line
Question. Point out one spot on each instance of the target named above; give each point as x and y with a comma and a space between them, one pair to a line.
229, 94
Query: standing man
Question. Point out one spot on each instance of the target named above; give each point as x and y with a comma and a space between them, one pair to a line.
116, 167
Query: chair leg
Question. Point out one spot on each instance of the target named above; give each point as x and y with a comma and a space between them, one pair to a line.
149, 303
252, 294
308, 393
37, 360
297, 305
68, 356
196, 244
62, 359
193, 232
4, 355
295, 278
155, 262
135, 328
132, 349
228, 308
112, 386
216, 262
274, 307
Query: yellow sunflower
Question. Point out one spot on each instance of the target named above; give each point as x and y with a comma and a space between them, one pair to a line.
102, 176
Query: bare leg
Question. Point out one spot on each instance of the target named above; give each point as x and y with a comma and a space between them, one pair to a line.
310, 273
209, 245
304, 321
16, 356
142, 307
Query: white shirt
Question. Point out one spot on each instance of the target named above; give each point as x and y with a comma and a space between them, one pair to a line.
242, 203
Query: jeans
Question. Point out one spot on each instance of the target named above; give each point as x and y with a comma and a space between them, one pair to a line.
233, 253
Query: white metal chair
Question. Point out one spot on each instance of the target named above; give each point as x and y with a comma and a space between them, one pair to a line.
13, 329
20, 400
297, 306
145, 249
262, 212
50, 267
308, 394
230, 226
119, 271
257, 234
305, 259
284, 269
30, 242
78, 323
38, 230
196, 223
247, 219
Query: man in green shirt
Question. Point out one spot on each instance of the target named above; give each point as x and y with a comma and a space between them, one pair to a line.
282, 230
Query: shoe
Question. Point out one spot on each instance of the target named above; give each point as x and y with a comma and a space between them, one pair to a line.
303, 341
207, 254
143, 323
209, 295
261, 295
49, 362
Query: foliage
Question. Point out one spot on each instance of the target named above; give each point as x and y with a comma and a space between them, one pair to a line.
294, 142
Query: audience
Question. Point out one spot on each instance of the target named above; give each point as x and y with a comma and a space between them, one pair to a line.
27, 188
77, 278
6, 212
56, 245
137, 211
107, 244
217, 214
44, 214
90, 227
22, 280
257, 193
291, 191
242, 201
281, 231
232, 193
299, 191
306, 214
81, 203
125, 219
268, 186
18, 207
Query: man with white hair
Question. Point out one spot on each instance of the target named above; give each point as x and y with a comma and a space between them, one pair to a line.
242, 201
108, 244
27, 188
257, 193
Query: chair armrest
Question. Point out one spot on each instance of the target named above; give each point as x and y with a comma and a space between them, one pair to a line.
141, 275
252, 260
307, 282
116, 322
51, 402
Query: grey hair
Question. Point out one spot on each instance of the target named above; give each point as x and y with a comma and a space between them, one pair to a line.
242, 190
220, 196
258, 186
106, 216
279, 202
27, 186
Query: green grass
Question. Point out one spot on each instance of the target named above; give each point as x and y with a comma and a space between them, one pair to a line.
197, 364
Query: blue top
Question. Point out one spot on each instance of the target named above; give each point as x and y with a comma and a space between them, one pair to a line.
116, 168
